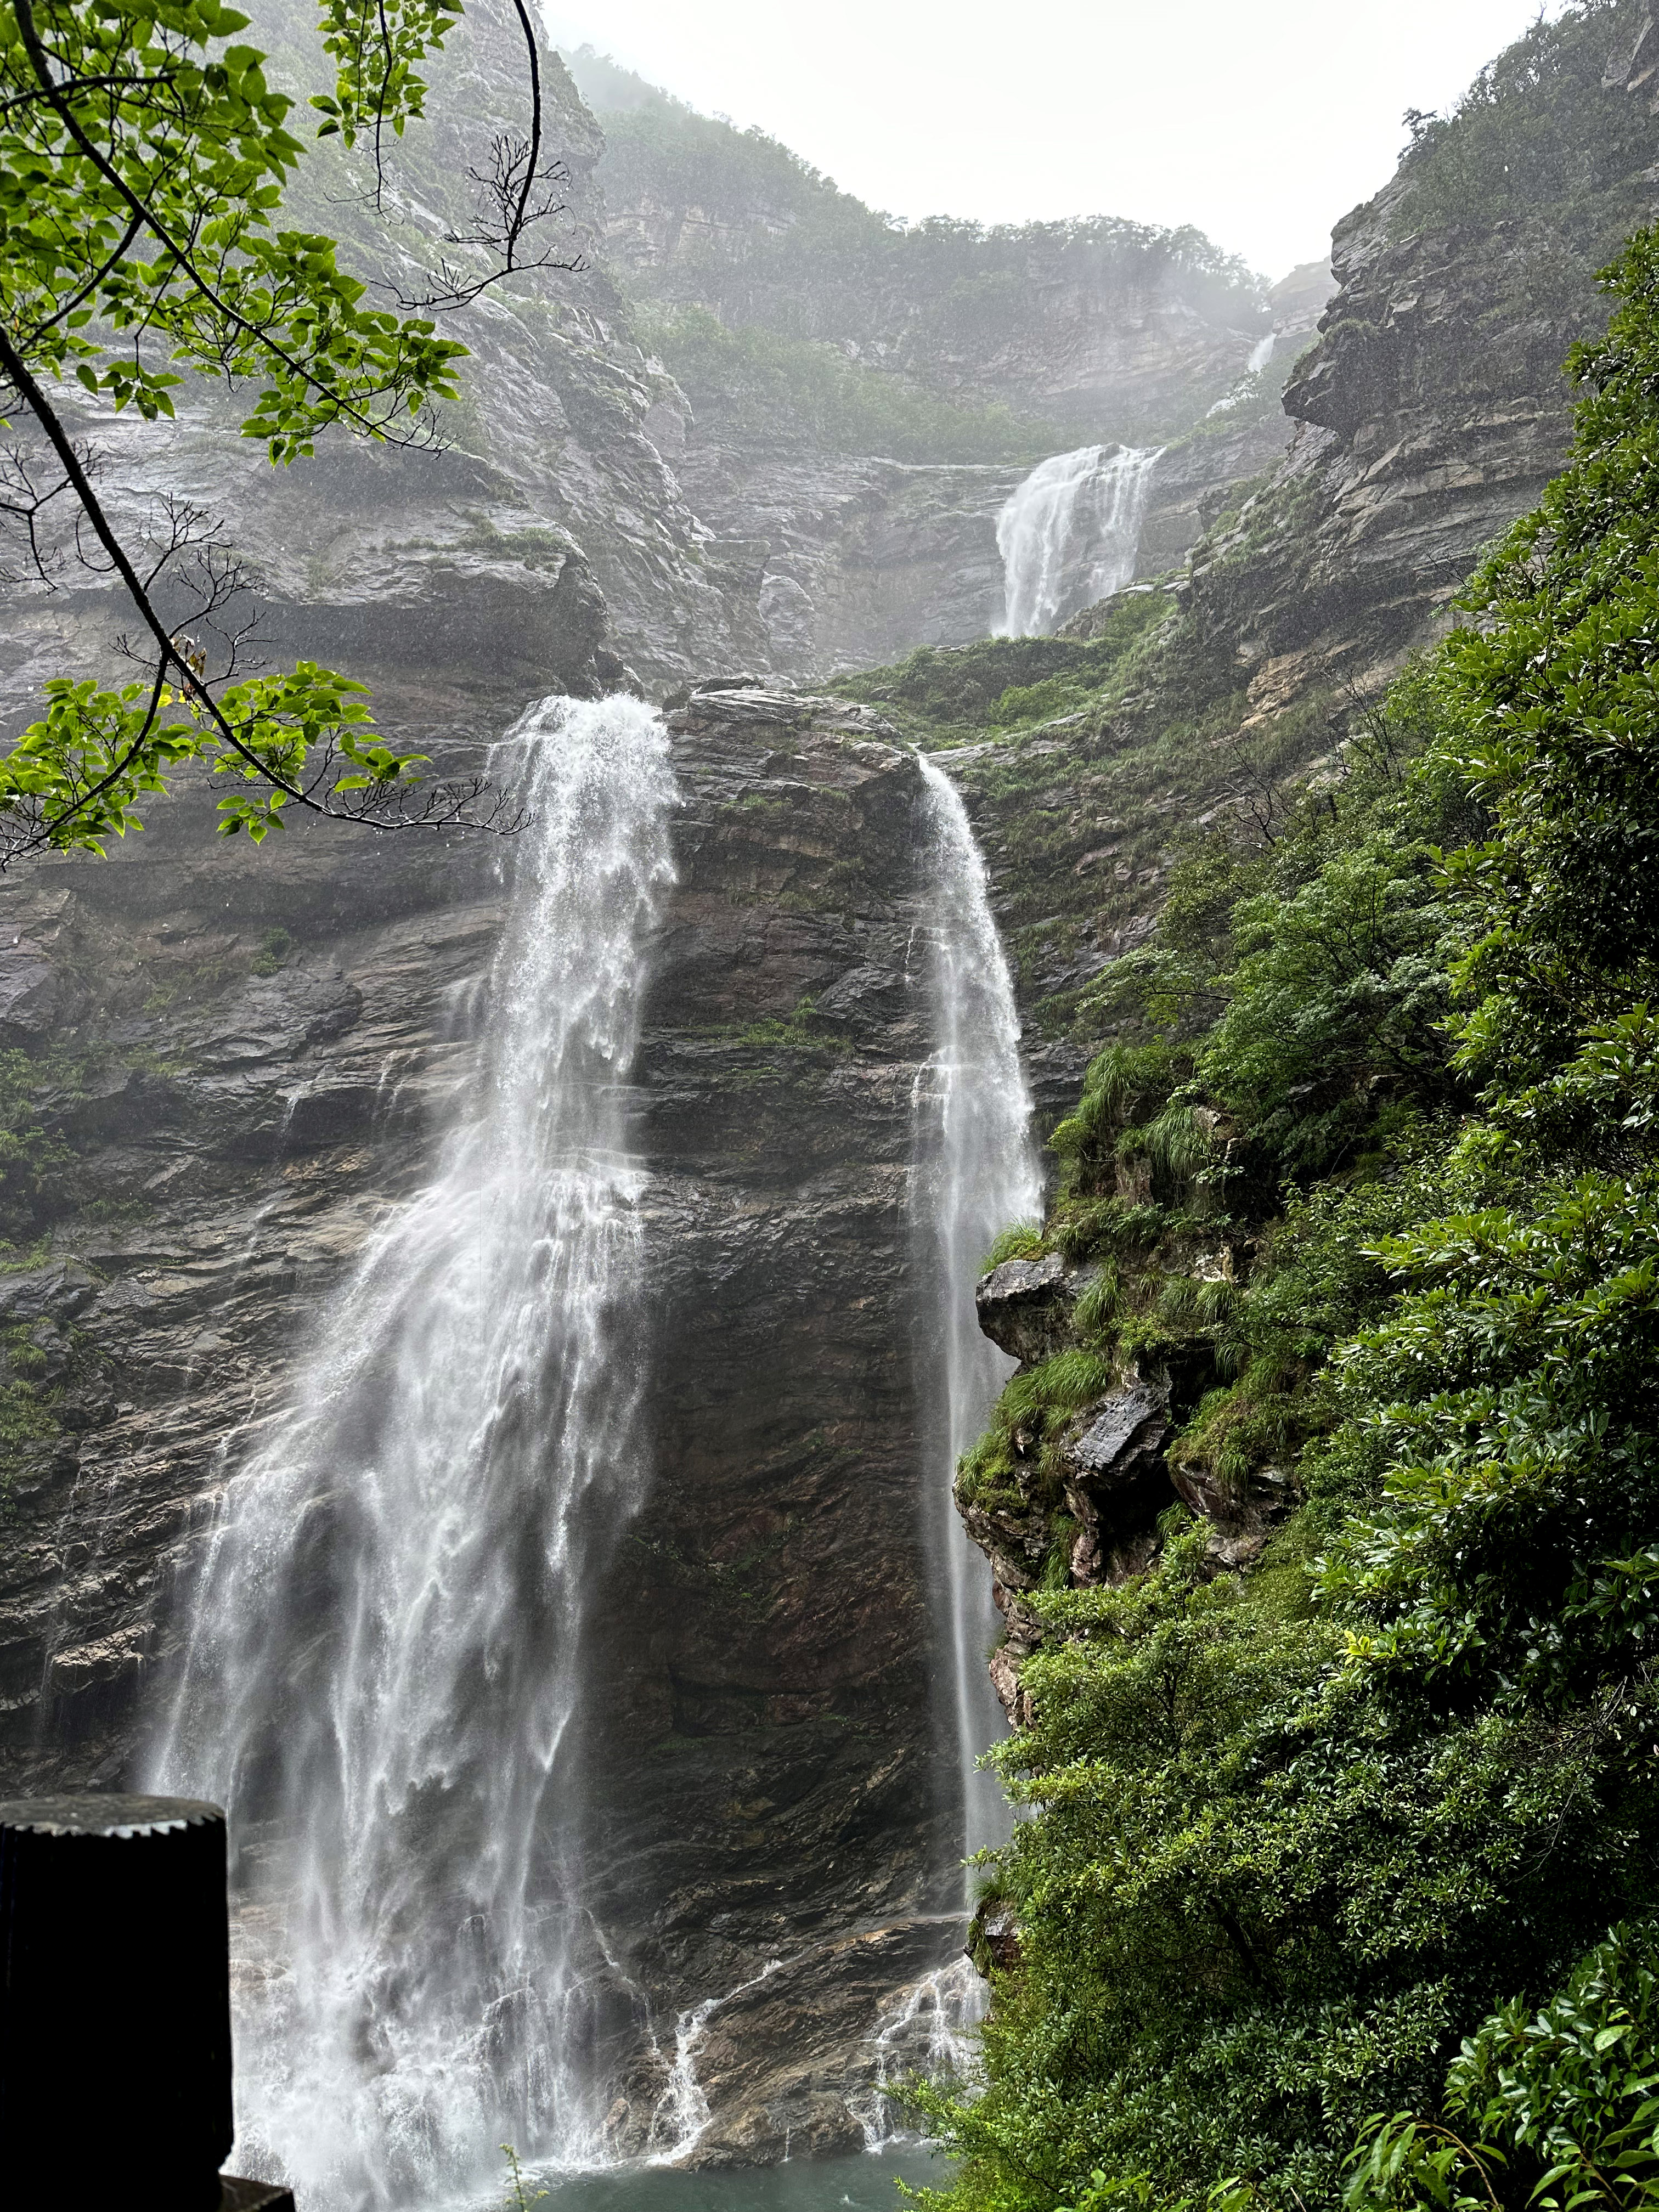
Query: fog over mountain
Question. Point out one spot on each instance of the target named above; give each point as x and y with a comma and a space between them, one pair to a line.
1258, 124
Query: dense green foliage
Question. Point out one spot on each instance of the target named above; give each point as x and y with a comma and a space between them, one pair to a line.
1370, 1179
1536, 135
1564, 2097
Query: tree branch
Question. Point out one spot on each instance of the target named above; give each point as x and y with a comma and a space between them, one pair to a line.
113, 178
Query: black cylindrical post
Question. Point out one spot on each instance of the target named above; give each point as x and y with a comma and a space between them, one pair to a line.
115, 1997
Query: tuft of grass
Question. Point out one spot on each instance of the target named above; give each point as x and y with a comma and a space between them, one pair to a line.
1020, 1240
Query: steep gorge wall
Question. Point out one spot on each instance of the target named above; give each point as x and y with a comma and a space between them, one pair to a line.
1096, 331
1426, 417
242, 1114
764, 1778
1429, 416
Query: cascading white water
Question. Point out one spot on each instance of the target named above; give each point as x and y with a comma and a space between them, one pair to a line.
976, 1172
383, 1677
1070, 534
928, 2031
683, 2113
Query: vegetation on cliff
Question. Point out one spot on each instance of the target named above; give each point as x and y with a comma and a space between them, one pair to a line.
775, 242
773, 389
1088, 757
1536, 133
1342, 1871
705, 215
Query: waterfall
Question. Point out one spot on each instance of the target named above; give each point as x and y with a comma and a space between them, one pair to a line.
384, 1676
684, 2114
1070, 534
928, 2031
1261, 353
977, 1171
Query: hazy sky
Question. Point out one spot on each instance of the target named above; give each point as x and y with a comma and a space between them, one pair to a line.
1261, 121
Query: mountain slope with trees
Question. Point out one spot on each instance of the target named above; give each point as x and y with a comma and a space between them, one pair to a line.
1344, 1770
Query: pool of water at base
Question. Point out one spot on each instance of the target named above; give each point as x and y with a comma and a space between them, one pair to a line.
864, 2183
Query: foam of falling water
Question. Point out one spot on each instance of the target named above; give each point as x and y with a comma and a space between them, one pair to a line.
1245, 387
1070, 534
384, 1676
683, 2111
928, 2032
976, 1172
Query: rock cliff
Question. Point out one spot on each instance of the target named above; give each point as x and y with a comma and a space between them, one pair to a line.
543, 538
1427, 415
1100, 328
1092, 332
250, 1057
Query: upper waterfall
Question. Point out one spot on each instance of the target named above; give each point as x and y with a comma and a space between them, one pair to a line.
384, 1673
1070, 534
978, 1172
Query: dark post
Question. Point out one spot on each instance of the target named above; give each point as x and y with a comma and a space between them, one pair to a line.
115, 2003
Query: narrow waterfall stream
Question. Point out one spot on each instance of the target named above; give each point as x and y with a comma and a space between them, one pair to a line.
384, 1676
1070, 534
977, 1172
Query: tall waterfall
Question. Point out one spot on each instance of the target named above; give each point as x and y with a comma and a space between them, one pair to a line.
1070, 534
384, 1680
977, 1171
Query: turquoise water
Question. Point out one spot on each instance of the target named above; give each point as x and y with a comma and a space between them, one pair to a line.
863, 2184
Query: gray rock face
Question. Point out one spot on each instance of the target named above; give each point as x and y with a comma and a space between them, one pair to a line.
1025, 1306
545, 545
860, 559
1116, 1480
1430, 414
762, 1773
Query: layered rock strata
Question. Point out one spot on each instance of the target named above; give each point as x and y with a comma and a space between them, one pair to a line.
251, 1056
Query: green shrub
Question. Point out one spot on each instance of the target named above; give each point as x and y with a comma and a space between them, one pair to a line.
1315, 1844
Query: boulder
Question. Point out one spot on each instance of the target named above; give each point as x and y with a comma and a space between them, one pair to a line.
1025, 1306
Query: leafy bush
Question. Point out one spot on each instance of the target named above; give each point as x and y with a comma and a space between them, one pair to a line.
1342, 1836
1565, 2098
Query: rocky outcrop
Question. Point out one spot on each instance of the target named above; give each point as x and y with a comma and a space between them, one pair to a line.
250, 1055
1025, 1306
1080, 1507
856, 560
1430, 414
794, 2061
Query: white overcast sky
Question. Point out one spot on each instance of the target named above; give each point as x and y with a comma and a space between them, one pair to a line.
1261, 121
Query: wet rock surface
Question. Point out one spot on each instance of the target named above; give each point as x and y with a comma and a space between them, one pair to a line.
759, 1757
857, 560
1025, 1306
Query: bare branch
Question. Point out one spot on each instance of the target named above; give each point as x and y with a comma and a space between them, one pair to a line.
517, 192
